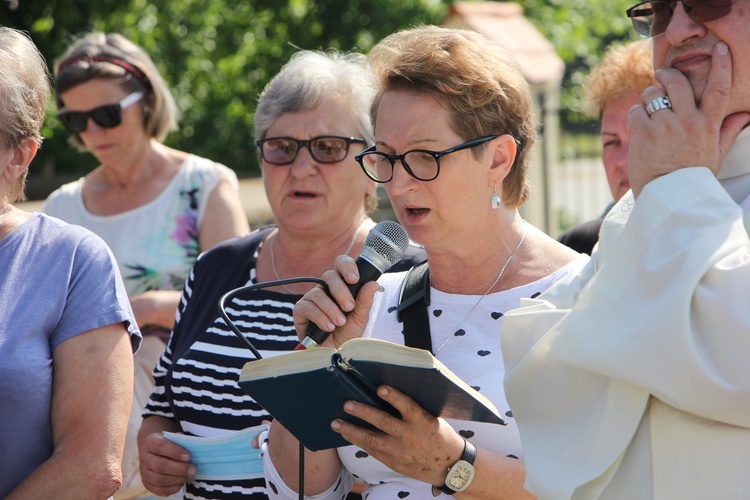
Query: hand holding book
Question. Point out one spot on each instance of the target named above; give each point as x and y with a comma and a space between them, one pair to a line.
306, 390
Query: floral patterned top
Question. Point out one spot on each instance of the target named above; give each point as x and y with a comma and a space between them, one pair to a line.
155, 244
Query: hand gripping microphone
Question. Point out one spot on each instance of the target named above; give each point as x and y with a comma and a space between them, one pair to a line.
385, 245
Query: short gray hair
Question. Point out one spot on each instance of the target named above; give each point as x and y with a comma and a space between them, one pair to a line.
307, 80
114, 57
24, 95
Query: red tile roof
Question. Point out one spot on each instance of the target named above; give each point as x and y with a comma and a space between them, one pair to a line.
505, 23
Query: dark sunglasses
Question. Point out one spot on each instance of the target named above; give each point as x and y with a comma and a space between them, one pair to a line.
323, 149
109, 116
652, 18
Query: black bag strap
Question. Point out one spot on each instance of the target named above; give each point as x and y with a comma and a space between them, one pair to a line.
412, 307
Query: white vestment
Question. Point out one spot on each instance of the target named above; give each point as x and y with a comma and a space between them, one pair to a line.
631, 379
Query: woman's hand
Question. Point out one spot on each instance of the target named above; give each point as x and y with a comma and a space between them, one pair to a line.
342, 315
417, 445
165, 466
423, 447
256, 440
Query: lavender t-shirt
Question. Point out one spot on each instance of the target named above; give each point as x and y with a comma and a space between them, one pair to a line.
56, 281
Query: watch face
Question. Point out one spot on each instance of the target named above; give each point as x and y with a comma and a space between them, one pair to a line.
460, 476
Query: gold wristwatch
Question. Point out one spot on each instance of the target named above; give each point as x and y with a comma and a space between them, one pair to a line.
460, 475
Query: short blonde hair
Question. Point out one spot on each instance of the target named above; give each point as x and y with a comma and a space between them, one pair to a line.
480, 84
24, 96
624, 70
114, 57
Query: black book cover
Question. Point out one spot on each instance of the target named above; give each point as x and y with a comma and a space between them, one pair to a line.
306, 390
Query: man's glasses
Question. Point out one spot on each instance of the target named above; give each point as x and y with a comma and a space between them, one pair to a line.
323, 149
422, 164
652, 18
109, 116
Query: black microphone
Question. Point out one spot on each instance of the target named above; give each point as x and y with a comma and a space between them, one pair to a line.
385, 245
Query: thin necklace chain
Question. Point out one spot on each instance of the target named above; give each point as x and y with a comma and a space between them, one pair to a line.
273, 257
497, 280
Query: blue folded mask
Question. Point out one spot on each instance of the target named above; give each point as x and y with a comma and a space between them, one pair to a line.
227, 457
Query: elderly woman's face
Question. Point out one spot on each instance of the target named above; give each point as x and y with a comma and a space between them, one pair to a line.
307, 194
434, 213
119, 144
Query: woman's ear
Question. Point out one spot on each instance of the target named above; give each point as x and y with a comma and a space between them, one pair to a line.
503, 157
19, 160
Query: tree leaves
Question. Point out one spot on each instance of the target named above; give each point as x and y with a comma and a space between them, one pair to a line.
217, 55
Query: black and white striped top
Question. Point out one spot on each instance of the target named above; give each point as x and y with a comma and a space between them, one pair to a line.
196, 378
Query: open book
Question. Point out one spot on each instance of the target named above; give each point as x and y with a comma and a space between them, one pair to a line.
306, 390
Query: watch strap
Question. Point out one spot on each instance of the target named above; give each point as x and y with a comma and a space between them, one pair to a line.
469, 455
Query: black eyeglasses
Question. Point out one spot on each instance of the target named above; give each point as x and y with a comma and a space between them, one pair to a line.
323, 149
652, 18
109, 116
422, 164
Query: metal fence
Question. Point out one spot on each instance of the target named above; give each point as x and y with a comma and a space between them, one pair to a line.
581, 191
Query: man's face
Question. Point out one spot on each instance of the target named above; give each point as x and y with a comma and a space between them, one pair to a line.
687, 46
615, 134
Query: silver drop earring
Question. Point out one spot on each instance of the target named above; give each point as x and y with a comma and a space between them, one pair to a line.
495, 200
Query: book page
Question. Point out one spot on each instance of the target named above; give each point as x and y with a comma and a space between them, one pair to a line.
318, 357
387, 352
290, 362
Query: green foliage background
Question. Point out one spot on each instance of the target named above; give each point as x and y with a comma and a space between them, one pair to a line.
580, 31
217, 55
